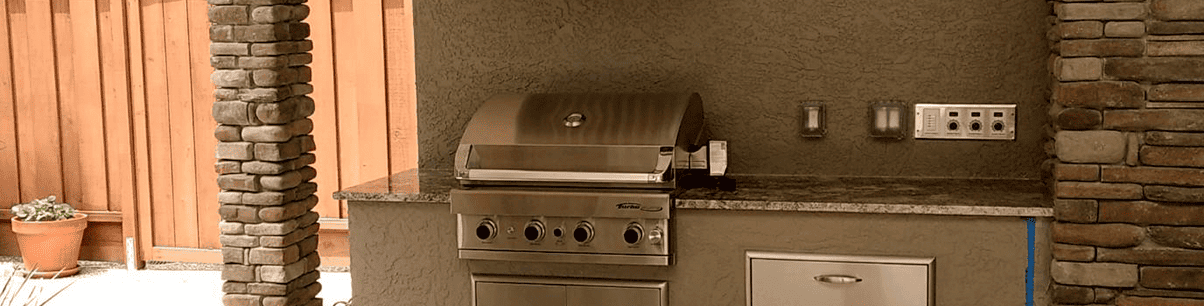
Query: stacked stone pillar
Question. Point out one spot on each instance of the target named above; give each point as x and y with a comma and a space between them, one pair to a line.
1128, 118
269, 236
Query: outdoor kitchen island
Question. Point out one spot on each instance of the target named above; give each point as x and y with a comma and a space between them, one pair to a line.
979, 232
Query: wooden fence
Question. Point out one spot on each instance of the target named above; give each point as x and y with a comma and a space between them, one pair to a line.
107, 104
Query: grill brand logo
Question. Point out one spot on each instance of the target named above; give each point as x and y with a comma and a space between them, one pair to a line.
637, 206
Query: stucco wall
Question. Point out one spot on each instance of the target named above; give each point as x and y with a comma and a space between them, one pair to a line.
405, 253
753, 62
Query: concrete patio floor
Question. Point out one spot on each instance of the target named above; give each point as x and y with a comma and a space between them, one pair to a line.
160, 283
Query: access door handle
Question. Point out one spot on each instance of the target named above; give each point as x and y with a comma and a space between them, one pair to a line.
837, 279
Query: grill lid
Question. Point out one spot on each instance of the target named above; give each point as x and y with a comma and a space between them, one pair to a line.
580, 138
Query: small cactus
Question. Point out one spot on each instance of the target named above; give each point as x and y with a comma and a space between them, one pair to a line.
43, 210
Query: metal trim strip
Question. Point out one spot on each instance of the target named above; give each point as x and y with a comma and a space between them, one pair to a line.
538, 280
611, 259
923, 261
568, 204
664, 162
560, 176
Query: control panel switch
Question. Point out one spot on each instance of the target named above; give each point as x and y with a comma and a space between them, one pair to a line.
717, 163
886, 119
812, 119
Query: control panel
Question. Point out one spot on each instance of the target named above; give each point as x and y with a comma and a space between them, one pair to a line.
965, 121
564, 234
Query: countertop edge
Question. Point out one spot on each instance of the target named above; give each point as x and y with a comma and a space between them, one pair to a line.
391, 197
772, 193
784, 206
872, 208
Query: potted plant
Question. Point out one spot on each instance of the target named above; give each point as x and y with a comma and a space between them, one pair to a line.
49, 235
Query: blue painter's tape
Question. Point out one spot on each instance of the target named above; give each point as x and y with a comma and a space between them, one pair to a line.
1028, 275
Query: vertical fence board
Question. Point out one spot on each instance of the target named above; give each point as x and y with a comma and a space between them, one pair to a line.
119, 132
180, 120
141, 139
68, 113
343, 30
403, 112
10, 183
48, 168
158, 127
44, 85
325, 112
37, 102
325, 116
117, 116
203, 124
370, 101
88, 101
19, 48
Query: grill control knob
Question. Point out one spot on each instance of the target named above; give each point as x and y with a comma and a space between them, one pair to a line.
534, 231
574, 120
655, 236
634, 233
486, 230
584, 232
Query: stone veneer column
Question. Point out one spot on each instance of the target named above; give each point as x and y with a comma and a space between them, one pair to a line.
268, 231
1127, 112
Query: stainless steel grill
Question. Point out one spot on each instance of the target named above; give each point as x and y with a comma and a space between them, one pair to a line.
581, 178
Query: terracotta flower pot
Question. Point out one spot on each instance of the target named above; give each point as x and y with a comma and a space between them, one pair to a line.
51, 246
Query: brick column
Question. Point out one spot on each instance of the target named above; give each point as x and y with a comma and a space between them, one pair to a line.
1128, 109
268, 232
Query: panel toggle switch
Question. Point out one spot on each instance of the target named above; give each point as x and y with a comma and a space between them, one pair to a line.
886, 119
812, 119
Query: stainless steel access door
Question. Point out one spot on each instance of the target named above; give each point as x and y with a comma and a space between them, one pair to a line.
795, 279
507, 294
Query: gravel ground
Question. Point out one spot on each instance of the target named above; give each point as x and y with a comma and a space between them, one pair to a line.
160, 283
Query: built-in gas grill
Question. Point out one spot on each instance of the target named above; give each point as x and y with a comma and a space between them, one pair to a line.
578, 178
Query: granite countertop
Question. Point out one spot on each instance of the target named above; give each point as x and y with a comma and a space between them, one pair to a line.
429, 186
926, 196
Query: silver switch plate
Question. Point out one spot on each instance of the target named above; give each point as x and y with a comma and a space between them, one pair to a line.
965, 121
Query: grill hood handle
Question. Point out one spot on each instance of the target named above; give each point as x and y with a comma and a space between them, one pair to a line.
661, 173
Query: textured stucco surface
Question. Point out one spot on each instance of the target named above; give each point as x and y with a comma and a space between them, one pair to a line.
405, 254
753, 62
